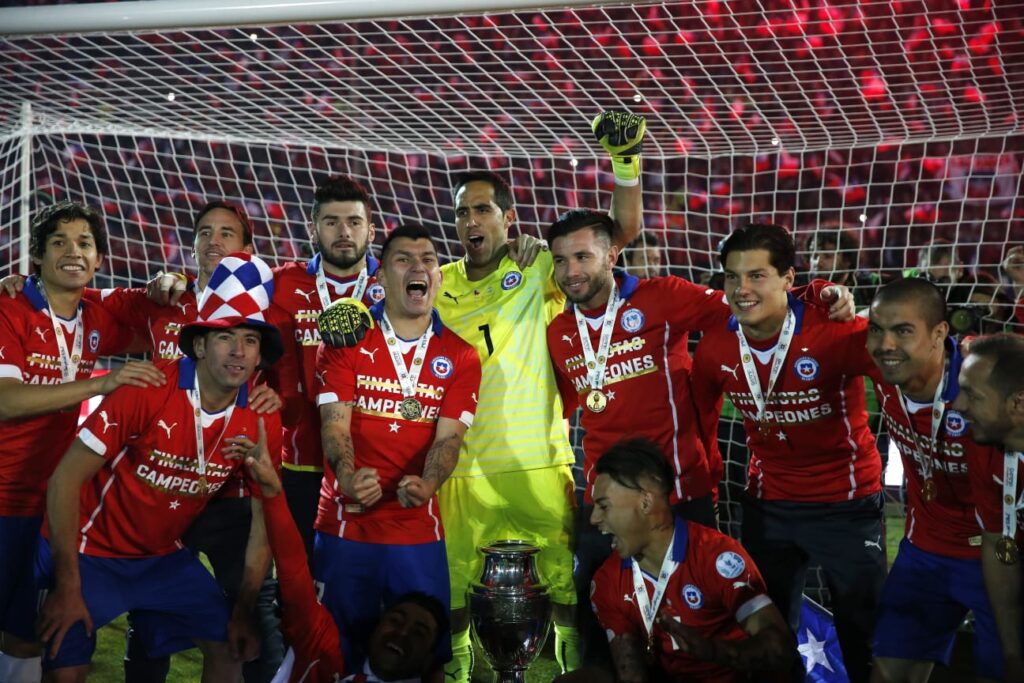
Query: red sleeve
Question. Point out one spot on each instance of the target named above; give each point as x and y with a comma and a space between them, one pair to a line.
283, 375
706, 386
570, 399
12, 337
305, 623
612, 612
123, 414
811, 293
693, 307
859, 360
985, 471
336, 373
459, 401
129, 307
730, 574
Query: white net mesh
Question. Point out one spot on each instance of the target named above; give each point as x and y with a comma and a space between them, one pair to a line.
900, 119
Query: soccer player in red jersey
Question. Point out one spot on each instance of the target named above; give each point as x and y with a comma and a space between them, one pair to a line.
143, 467
937, 576
681, 601
394, 410
814, 479
341, 229
50, 339
992, 398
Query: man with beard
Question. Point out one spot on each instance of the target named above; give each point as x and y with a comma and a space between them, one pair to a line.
992, 398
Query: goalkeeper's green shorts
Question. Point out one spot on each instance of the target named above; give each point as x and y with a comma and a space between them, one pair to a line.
535, 506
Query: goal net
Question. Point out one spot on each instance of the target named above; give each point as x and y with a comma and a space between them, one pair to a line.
897, 120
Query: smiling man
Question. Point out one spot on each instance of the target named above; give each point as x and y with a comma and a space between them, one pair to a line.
50, 339
144, 465
394, 409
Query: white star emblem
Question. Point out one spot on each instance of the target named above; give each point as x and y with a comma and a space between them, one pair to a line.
175, 505
813, 652
781, 436
394, 427
611, 395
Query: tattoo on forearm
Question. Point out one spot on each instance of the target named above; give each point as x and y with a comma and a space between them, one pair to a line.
337, 441
627, 654
442, 458
769, 650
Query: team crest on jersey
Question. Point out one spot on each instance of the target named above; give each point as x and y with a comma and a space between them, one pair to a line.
441, 366
632, 320
94, 340
806, 368
956, 425
693, 597
730, 564
511, 280
375, 292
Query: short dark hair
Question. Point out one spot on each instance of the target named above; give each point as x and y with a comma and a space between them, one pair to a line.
632, 459
46, 221
431, 605
936, 251
1006, 351
572, 220
339, 188
412, 231
836, 239
502, 192
926, 297
239, 212
646, 238
775, 239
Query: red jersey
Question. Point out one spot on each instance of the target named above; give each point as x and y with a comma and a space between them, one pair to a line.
382, 438
148, 492
296, 309
818, 447
987, 473
305, 623
947, 525
159, 325
647, 376
31, 447
715, 587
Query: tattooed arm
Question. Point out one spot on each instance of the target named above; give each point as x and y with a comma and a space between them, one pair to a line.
414, 490
362, 485
628, 656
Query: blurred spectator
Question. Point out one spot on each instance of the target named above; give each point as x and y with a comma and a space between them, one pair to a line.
835, 253
644, 256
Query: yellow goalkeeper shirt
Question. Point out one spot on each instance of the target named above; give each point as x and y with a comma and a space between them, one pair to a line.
518, 423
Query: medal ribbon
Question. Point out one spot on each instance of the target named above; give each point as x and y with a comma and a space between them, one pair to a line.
750, 369
197, 418
325, 293
596, 365
1011, 459
68, 362
649, 606
407, 378
938, 411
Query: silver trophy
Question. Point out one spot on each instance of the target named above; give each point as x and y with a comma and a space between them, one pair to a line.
510, 609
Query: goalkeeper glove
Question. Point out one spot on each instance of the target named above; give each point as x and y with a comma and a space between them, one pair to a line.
622, 134
344, 323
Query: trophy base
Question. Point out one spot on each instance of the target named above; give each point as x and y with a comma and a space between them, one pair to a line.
517, 676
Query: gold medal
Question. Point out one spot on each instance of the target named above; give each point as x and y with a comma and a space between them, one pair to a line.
410, 409
764, 428
1006, 550
596, 401
204, 486
929, 490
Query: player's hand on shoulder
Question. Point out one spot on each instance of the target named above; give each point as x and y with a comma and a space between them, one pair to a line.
256, 457
414, 491
264, 400
840, 298
136, 373
525, 249
362, 486
62, 609
166, 288
344, 323
12, 284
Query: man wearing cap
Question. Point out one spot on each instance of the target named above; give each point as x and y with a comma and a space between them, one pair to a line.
142, 468
394, 409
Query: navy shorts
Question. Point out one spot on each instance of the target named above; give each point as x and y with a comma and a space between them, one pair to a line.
18, 538
175, 596
924, 601
357, 581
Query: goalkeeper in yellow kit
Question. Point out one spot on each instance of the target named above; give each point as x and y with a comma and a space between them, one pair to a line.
514, 476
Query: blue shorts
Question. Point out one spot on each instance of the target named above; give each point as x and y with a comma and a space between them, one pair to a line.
924, 601
175, 596
357, 581
18, 538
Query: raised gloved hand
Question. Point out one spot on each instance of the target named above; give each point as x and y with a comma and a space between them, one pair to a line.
622, 134
344, 323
